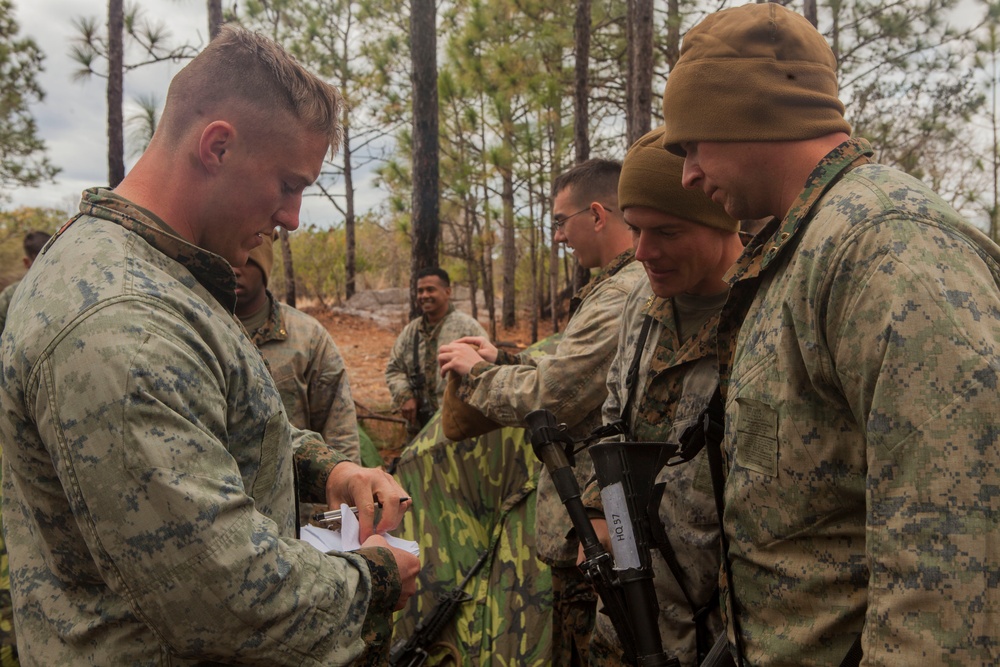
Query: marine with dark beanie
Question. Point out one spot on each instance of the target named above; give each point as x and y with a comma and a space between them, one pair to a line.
686, 243
859, 361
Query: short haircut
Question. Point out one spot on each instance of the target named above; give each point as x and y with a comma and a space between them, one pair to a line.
598, 178
241, 70
34, 242
435, 271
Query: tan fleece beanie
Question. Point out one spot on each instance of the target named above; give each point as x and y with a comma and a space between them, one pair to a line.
263, 256
759, 72
651, 176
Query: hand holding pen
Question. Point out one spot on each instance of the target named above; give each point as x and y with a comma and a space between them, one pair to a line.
350, 484
332, 518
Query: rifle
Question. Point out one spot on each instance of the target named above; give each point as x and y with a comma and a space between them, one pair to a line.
413, 652
627, 594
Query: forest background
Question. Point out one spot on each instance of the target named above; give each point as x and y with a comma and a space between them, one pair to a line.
460, 113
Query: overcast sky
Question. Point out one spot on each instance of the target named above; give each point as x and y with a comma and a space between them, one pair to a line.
72, 120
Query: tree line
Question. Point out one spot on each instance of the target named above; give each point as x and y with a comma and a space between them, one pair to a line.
465, 110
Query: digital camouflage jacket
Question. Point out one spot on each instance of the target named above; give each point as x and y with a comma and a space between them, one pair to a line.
675, 382
5, 296
147, 469
570, 383
8, 643
862, 426
454, 325
310, 375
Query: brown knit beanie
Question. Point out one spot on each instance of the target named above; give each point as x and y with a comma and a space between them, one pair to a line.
759, 72
651, 176
263, 256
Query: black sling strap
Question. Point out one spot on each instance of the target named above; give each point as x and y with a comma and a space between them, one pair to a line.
704, 638
713, 428
417, 376
633, 375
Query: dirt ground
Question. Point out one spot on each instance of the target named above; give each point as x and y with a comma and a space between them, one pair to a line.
365, 347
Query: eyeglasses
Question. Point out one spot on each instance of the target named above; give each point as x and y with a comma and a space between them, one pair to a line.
557, 223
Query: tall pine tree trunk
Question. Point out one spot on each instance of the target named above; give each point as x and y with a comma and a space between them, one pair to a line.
286, 262
423, 59
214, 17
116, 56
509, 314
638, 114
350, 261
581, 87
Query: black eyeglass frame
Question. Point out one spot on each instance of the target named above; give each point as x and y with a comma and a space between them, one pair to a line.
557, 224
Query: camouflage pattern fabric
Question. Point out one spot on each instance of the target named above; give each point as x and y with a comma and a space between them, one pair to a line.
8, 639
310, 375
453, 325
862, 426
675, 382
147, 469
469, 496
5, 296
570, 383
370, 455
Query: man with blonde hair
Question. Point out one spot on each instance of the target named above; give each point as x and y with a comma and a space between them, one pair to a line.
149, 466
860, 358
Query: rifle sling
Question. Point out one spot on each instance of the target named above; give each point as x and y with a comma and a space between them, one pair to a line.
704, 638
712, 426
633, 374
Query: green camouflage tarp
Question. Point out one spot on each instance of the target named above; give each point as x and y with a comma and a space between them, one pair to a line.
470, 496
370, 457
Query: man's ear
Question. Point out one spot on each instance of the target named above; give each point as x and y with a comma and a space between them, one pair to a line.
215, 143
600, 215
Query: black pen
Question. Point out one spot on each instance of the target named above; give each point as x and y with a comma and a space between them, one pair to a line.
334, 515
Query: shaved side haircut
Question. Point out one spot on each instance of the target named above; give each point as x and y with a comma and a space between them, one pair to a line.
248, 73
596, 178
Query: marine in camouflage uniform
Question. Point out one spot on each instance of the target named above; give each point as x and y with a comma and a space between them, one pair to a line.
148, 458
310, 375
686, 243
675, 382
428, 336
305, 363
5, 296
8, 639
570, 384
860, 362
33, 243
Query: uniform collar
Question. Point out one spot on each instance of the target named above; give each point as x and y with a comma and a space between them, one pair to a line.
613, 267
274, 327
212, 271
428, 328
769, 243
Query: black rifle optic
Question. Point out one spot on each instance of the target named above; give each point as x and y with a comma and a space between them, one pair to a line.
626, 591
413, 651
